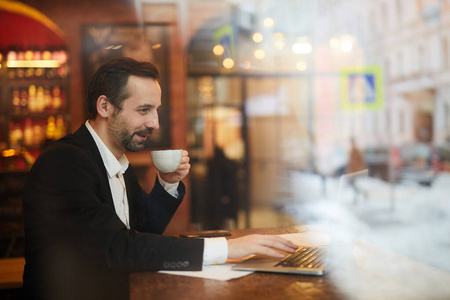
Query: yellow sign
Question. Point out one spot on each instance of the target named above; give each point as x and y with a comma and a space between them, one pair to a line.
362, 88
224, 37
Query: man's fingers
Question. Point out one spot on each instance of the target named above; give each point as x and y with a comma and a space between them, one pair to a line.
268, 251
181, 172
259, 244
278, 243
185, 160
184, 164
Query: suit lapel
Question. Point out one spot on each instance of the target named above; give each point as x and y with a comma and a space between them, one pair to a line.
86, 141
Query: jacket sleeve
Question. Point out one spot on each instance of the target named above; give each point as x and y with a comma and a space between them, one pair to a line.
68, 206
150, 212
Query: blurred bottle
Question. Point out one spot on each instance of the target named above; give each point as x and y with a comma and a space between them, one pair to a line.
46, 55
20, 72
29, 55
56, 99
32, 103
38, 134
24, 101
21, 54
15, 136
60, 129
40, 105
37, 54
48, 100
51, 127
29, 72
12, 55
16, 101
28, 139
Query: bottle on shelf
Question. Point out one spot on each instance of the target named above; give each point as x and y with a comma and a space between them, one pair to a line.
38, 134
40, 105
20, 72
16, 101
35, 114
32, 102
21, 54
60, 129
15, 136
37, 54
24, 101
11, 55
28, 139
28, 54
51, 127
56, 99
46, 55
48, 100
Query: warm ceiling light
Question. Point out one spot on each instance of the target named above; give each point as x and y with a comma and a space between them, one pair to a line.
334, 43
346, 45
257, 37
302, 48
228, 63
301, 66
279, 35
259, 54
156, 46
268, 22
279, 44
280, 41
218, 50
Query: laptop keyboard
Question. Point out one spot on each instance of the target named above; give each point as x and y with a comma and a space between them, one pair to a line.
305, 257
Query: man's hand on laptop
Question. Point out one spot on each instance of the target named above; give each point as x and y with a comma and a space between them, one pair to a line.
259, 244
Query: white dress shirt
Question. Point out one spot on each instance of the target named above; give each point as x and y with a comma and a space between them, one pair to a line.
215, 249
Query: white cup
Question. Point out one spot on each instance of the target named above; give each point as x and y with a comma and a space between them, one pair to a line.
166, 161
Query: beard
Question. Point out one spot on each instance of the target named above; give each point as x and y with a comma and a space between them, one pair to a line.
124, 137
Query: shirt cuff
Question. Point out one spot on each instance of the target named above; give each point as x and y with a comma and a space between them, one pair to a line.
171, 188
215, 251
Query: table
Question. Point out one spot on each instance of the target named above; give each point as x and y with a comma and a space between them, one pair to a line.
11, 272
373, 273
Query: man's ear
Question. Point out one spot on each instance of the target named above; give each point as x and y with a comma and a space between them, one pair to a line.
103, 106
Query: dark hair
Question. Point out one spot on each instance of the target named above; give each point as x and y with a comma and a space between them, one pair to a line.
111, 80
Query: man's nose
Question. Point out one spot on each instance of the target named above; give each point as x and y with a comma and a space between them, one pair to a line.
152, 120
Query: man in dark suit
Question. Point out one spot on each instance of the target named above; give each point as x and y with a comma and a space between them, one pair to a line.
88, 223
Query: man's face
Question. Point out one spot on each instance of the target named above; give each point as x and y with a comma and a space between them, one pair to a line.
130, 126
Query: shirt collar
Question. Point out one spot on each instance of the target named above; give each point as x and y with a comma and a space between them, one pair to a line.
112, 164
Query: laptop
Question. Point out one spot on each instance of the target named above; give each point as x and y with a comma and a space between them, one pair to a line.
315, 259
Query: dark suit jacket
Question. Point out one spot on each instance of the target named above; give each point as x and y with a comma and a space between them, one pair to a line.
76, 247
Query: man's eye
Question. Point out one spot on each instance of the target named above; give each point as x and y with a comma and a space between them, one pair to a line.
144, 111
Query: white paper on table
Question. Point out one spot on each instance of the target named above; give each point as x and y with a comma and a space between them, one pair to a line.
224, 272
217, 272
